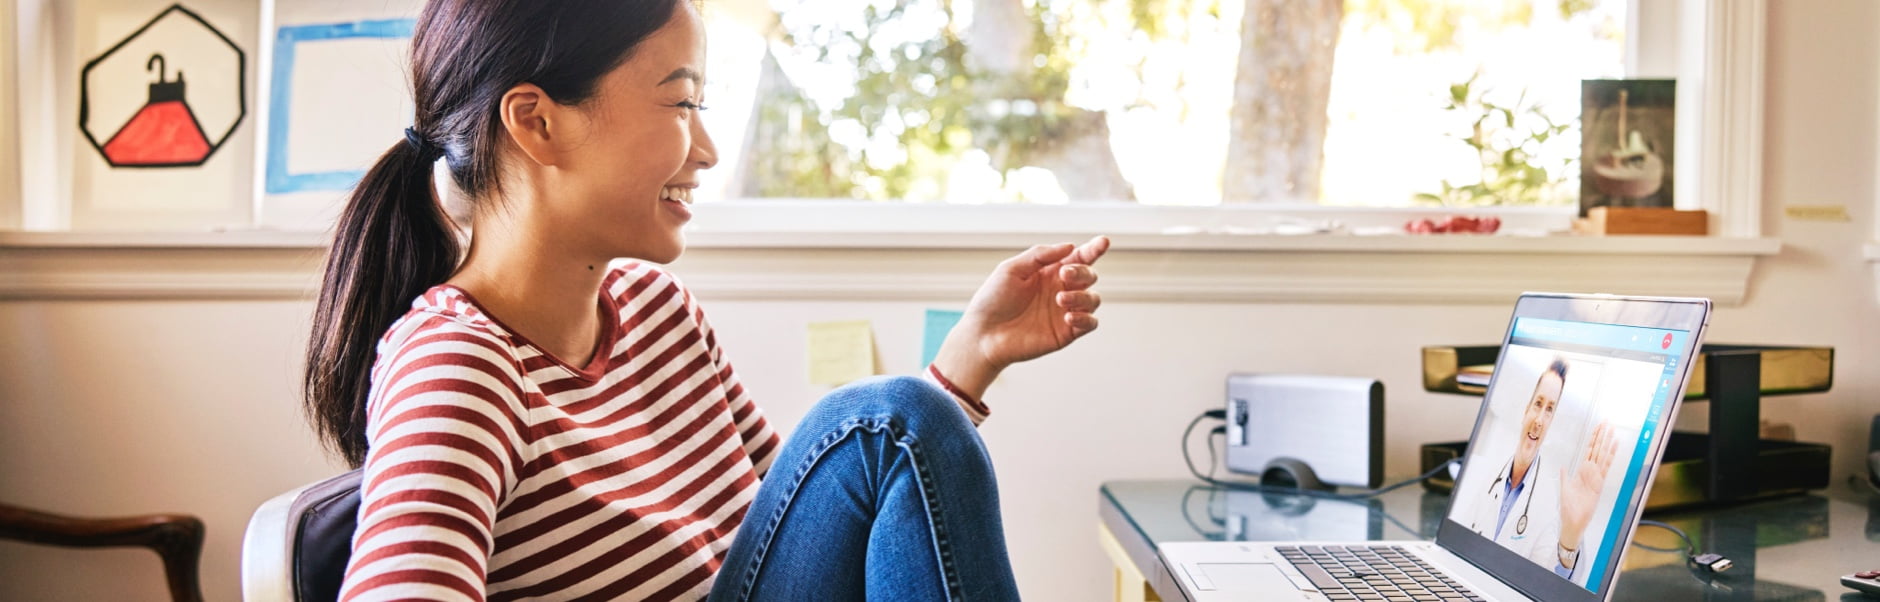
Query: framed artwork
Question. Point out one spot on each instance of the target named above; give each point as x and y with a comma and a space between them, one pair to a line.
1626, 143
162, 135
338, 97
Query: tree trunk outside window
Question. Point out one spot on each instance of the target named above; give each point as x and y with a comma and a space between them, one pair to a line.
1000, 42
1276, 143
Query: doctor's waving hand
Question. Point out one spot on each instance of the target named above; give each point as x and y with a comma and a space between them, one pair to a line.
1579, 493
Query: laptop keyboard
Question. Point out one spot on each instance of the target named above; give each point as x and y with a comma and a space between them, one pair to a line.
1368, 573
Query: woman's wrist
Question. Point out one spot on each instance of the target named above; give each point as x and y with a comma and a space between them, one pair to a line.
975, 410
963, 365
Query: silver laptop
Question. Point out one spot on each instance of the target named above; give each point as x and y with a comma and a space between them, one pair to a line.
1563, 452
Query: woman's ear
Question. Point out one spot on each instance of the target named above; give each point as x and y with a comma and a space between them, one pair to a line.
531, 119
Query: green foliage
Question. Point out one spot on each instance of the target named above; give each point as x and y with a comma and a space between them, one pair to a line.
800, 163
932, 98
1574, 8
1423, 26
1506, 138
922, 100
922, 93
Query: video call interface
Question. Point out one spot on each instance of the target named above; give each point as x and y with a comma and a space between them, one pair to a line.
1555, 465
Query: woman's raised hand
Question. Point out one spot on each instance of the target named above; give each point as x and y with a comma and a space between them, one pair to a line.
1034, 303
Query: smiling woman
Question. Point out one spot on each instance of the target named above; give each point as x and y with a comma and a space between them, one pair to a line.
549, 415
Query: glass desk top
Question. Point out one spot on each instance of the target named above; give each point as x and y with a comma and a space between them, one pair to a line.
1793, 548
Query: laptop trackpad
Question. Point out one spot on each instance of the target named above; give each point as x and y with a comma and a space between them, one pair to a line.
1246, 577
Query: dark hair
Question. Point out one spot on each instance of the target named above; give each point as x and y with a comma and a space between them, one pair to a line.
1559, 367
393, 240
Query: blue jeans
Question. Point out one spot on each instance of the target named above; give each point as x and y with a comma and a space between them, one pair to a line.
884, 492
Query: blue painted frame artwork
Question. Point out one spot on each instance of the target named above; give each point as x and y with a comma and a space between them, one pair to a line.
280, 105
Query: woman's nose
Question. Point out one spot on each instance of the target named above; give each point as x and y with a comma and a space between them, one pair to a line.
703, 152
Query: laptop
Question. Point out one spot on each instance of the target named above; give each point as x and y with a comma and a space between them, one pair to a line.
1564, 448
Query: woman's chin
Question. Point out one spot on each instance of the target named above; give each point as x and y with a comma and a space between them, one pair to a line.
665, 252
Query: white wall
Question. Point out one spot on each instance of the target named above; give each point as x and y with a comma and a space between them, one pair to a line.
122, 407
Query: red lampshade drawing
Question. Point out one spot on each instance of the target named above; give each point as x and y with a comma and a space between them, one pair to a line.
179, 123
165, 132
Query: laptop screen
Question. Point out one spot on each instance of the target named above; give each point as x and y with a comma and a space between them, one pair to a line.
1561, 451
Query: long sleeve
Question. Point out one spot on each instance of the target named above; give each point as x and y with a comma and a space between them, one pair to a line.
445, 430
759, 439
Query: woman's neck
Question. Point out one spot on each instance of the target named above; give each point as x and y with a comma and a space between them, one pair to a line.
536, 285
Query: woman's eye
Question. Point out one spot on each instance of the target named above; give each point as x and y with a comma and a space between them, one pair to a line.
687, 104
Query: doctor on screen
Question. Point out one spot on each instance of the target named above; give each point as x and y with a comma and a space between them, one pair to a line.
1544, 519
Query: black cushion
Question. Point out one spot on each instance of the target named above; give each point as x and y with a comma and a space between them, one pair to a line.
325, 516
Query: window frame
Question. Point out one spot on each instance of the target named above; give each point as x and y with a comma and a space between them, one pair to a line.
10, 188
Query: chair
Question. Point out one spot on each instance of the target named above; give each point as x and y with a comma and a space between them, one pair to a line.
298, 543
176, 538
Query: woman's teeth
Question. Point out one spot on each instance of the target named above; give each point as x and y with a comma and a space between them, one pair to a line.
675, 193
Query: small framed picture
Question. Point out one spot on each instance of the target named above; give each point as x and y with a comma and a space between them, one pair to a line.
338, 96
163, 127
1627, 129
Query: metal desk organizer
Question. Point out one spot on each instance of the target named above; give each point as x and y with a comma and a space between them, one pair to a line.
1730, 463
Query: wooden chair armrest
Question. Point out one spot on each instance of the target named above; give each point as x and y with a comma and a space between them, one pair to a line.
176, 538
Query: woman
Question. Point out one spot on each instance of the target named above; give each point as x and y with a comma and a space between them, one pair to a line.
536, 420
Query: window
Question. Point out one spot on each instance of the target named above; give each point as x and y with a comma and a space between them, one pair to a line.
1160, 102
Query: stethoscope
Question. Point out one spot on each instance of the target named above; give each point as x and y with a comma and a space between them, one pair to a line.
1520, 524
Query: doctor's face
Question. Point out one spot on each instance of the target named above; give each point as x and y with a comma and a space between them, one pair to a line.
1539, 413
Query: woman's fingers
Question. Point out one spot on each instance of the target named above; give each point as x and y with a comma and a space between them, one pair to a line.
1079, 301
1076, 276
1080, 323
1038, 257
1091, 251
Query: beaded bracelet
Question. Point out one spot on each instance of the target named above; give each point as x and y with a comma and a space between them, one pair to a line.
974, 404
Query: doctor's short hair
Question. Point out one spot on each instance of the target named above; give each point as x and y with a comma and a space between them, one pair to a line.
1558, 367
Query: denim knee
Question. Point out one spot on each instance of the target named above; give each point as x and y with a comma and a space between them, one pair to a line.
908, 403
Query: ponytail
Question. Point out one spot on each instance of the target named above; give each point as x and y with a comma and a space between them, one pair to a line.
392, 242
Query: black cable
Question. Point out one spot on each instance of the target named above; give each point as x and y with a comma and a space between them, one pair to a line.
1861, 481
1210, 534
1212, 460
1714, 563
1239, 486
1689, 549
1360, 498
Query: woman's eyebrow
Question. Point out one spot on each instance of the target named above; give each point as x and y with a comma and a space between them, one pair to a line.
683, 73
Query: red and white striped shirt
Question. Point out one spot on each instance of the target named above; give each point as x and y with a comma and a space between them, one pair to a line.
496, 470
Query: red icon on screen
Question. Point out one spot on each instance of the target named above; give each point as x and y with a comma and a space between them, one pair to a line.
1666, 344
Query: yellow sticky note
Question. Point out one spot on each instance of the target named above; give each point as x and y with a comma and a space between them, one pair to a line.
1817, 213
841, 352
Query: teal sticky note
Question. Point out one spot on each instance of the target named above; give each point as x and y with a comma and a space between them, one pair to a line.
939, 323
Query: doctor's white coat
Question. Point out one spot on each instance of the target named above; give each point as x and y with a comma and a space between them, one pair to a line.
1478, 508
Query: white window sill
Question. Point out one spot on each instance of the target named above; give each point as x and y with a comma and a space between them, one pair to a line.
1223, 268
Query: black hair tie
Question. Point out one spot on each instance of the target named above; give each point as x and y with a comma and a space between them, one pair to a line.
426, 151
